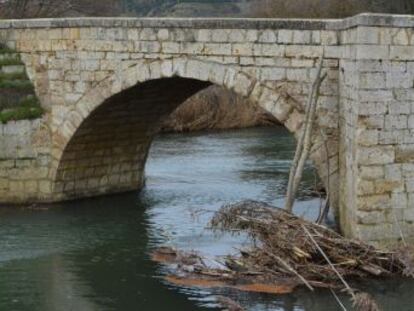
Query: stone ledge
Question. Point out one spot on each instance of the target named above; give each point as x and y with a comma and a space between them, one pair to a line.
365, 19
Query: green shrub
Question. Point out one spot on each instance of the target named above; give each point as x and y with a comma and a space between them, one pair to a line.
21, 85
30, 101
10, 61
13, 76
28, 109
4, 49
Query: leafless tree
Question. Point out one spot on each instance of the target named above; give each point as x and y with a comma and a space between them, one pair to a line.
327, 8
57, 8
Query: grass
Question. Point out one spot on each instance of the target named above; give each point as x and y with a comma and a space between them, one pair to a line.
30, 101
12, 61
21, 113
13, 76
28, 109
21, 85
4, 49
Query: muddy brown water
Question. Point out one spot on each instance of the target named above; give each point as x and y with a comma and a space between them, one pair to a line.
95, 254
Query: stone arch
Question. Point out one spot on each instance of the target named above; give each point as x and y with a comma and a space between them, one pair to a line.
179, 77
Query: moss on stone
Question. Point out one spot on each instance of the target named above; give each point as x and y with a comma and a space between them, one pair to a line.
10, 61
4, 49
21, 113
25, 105
22, 85
28, 109
13, 76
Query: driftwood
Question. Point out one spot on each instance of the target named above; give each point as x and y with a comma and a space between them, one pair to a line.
287, 252
229, 304
296, 242
304, 143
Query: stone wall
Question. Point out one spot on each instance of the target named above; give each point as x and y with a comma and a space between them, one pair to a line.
378, 132
106, 84
78, 65
24, 161
17, 97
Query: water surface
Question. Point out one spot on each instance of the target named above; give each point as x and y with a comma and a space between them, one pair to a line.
94, 254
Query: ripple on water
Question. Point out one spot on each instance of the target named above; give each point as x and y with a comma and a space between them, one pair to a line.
93, 254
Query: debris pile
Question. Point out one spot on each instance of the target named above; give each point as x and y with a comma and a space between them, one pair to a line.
286, 245
286, 252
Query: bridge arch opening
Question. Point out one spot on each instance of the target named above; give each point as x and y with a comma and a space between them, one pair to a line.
104, 141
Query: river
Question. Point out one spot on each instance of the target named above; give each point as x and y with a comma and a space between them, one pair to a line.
94, 254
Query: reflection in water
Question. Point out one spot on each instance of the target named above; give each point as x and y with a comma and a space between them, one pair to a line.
93, 254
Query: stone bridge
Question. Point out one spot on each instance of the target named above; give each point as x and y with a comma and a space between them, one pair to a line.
106, 84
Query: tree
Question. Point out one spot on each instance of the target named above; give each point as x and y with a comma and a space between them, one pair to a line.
16, 9
327, 8
33, 8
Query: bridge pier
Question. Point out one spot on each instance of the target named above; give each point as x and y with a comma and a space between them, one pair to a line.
105, 85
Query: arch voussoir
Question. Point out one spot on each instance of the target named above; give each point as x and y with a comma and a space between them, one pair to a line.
146, 71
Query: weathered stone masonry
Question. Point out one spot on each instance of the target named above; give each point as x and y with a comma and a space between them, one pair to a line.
106, 84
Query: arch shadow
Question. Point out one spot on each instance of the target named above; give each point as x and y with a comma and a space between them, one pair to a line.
101, 146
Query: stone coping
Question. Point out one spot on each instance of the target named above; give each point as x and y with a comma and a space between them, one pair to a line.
365, 19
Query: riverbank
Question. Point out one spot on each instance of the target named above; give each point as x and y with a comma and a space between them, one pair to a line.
216, 108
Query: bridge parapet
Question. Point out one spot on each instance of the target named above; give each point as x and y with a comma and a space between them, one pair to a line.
93, 75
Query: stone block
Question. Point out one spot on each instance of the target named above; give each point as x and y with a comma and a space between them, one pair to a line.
404, 153
400, 108
371, 122
302, 63
269, 50
243, 84
388, 186
170, 47
302, 36
242, 49
297, 75
268, 36
373, 52
400, 37
402, 52
273, 74
163, 34
399, 80
148, 34
295, 119
285, 36
90, 64
194, 48
149, 46
372, 80
365, 187
307, 51
252, 35
367, 137
377, 202
371, 217
333, 51
369, 35
217, 49
399, 200
376, 95
204, 35
409, 214
220, 35
371, 172
13, 69
329, 37
372, 108
375, 155
237, 35
396, 122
